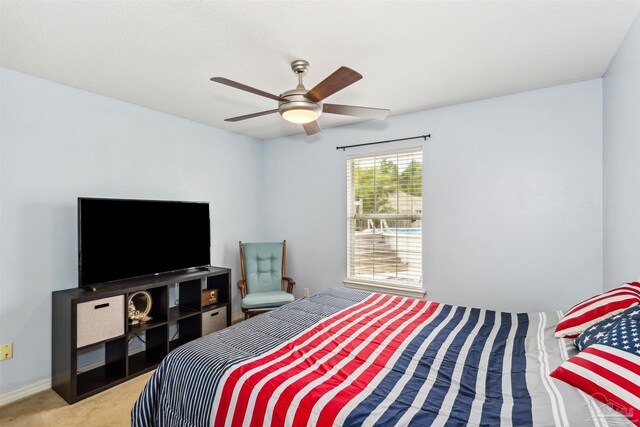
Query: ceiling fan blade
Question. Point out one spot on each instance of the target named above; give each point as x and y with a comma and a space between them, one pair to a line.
352, 110
250, 116
311, 128
245, 88
341, 78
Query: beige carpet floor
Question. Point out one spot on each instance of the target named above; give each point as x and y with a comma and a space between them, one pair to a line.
109, 408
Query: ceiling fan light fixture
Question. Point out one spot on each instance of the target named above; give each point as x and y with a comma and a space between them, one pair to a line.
300, 116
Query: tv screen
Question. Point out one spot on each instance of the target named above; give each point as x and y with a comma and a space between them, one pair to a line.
120, 239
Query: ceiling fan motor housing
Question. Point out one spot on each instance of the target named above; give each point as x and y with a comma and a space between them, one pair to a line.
298, 109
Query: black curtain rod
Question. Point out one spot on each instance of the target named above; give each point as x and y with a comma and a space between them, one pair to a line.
344, 147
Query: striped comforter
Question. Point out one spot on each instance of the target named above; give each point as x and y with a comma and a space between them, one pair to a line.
347, 357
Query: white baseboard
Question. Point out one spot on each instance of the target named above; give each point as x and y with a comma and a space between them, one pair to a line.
42, 385
26, 391
45, 384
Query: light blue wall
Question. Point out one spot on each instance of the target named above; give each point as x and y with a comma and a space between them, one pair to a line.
58, 143
621, 139
512, 198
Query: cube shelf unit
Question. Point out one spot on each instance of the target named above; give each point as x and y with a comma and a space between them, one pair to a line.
93, 325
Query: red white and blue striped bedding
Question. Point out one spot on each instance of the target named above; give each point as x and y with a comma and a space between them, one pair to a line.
353, 358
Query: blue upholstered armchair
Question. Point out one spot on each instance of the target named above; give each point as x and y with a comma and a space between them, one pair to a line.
263, 281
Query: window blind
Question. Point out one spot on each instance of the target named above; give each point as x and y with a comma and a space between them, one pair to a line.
384, 195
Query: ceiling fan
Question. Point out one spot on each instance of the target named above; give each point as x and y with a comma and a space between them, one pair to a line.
304, 106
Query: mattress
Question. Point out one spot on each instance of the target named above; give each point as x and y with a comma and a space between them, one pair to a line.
350, 358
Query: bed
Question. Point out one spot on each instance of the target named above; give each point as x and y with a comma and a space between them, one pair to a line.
350, 358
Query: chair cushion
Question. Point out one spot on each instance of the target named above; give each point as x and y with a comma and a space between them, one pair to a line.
263, 266
266, 299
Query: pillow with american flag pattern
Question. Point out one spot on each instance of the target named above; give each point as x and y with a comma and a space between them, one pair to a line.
609, 370
582, 316
598, 332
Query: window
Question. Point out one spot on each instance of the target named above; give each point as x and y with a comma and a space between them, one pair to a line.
384, 196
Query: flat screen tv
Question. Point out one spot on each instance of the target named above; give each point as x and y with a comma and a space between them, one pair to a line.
121, 239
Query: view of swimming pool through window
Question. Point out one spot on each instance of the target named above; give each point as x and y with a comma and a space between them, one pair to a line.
385, 217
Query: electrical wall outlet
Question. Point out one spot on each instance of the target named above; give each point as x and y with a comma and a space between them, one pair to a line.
306, 292
6, 351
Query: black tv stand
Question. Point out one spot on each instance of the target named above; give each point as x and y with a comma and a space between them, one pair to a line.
93, 321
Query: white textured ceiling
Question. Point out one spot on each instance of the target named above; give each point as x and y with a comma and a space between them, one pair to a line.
413, 55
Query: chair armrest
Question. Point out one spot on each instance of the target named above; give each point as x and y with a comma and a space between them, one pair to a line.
290, 284
243, 288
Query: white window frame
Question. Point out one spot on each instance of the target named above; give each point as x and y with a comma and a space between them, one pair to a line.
415, 290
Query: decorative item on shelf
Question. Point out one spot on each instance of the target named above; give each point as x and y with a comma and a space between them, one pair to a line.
209, 296
139, 306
